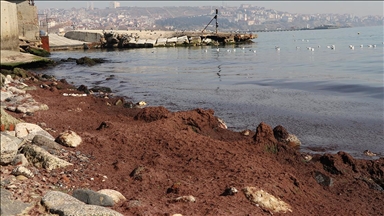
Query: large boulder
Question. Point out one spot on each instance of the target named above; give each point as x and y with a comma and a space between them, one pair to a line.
69, 138
10, 207
64, 204
9, 146
92, 197
41, 158
29, 131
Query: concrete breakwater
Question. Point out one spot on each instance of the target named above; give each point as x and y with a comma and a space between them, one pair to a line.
150, 38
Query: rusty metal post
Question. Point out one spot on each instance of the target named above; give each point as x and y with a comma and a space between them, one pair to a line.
45, 42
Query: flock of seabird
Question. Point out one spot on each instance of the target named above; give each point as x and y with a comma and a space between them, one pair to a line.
277, 48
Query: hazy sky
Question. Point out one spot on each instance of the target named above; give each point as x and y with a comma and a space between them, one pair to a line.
357, 8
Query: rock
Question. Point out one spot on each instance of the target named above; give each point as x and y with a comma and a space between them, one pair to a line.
266, 201
47, 144
9, 207
136, 174
293, 141
29, 131
230, 191
7, 119
41, 158
5, 95
188, 198
89, 61
20, 170
280, 133
69, 138
222, 123
15, 90
65, 205
115, 195
322, 179
369, 153
132, 204
101, 89
329, 164
9, 146
245, 132
21, 178
92, 197
31, 107
264, 135
20, 159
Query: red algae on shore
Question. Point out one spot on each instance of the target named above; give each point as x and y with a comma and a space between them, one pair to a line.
188, 149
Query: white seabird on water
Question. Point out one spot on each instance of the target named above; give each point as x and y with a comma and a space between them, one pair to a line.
277, 48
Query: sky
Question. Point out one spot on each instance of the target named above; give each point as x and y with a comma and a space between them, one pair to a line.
357, 8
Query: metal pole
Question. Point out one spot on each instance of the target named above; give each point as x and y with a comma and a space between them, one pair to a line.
217, 25
46, 21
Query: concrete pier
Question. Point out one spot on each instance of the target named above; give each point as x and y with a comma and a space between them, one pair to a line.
150, 38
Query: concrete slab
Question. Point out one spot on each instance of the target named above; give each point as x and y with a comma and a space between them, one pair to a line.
56, 41
11, 59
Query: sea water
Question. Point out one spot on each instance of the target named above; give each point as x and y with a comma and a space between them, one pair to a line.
332, 99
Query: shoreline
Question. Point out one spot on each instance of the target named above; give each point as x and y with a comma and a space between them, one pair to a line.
189, 149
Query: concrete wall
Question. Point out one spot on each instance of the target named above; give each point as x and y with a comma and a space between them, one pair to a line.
9, 35
28, 20
87, 36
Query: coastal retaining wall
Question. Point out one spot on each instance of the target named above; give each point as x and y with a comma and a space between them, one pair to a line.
86, 36
9, 26
28, 21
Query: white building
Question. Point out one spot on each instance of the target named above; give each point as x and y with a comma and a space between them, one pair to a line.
114, 4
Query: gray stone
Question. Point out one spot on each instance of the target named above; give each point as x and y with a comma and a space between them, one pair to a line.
63, 204
31, 107
29, 131
47, 144
20, 159
9, 145
41, 158
20, 170
93, 197
16, 90
5, 95
323, 179
9, 207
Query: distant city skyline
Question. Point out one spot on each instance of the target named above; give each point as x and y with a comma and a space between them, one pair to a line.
357, 8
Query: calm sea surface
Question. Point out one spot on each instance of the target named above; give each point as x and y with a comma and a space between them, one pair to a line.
331, 99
